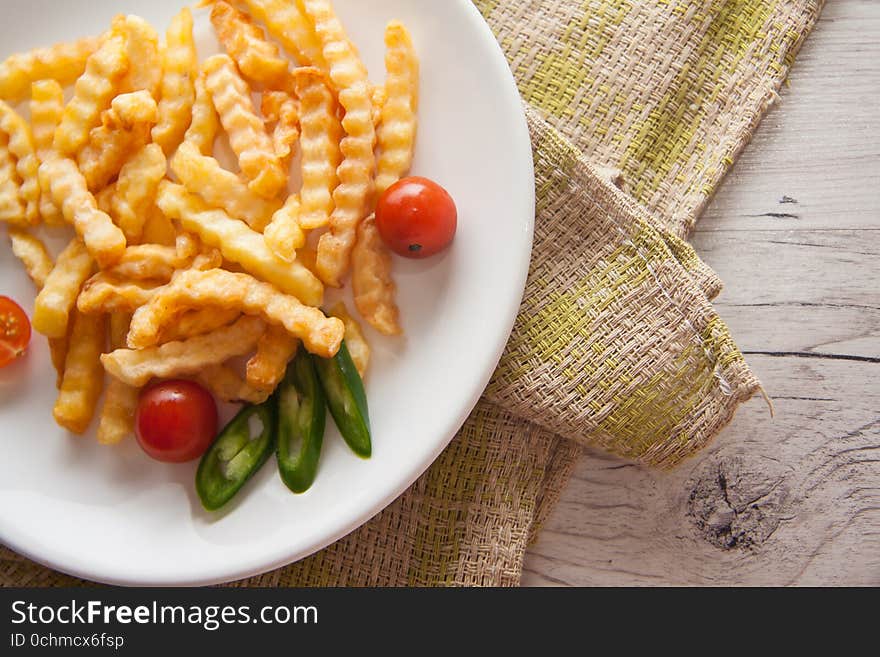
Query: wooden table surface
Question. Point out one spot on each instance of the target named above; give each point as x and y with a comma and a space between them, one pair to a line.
793, 232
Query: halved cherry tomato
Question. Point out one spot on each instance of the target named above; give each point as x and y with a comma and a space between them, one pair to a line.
416, 217
176, 421
15, 331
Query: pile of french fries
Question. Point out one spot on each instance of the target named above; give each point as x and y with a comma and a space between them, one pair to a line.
177, 266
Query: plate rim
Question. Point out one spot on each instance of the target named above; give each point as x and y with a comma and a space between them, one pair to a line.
522, 142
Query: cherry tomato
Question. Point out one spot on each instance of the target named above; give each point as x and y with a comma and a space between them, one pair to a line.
176, 421
15, 331
416, 217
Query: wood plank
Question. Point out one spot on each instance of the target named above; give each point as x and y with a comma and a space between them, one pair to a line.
794, 499
819, 144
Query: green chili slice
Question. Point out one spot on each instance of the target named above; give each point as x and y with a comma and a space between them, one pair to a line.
302, 413
346, 399
237, 453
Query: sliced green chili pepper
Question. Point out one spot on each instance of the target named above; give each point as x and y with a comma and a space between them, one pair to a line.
346, 399
236, 454
301, 416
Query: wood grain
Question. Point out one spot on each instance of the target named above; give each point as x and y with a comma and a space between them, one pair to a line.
794, 232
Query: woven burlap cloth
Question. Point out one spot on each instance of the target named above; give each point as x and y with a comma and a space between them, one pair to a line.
636, 110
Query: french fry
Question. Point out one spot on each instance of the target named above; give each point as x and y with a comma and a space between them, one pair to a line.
136, 190
307, 257
58, 354
209, 258
397, 129
199, 321
106, 293
179, 71
47, 107
371, 282
92, 94
319, 146
284, 235
378, 96
320, 335
258, 59
158, 228
246, 132
155, 261
145, 65
104, 199
62, 62
280, 108
120, 399
203, 175
354, 338
228, 386
124, 128
12, 207
287, 23
352, 195
104, 240
238, 243
205, 123
62, 286
83, 375
38, 264
33, 255
21, 146
266, 367
137, 366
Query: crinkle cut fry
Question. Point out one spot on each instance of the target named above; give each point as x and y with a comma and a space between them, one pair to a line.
21, 146
106, 293
397, 129
59, 292
321, 133
12, 207
120, 399
124, 129
137, 366
179, 71
47, 108
104, 240
320, 335
198, 321
136, 190
220, 188
62, 62
355, 341
33, 255
354, 192
246, 131
83, 377
225, 384
267, 366
258, 58
93, 91
238, 243
155, 261
281, 108
284, 234
205, 123
286, 21
145, 63
371, 282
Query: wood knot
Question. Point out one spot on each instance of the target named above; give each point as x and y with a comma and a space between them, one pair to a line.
735, 506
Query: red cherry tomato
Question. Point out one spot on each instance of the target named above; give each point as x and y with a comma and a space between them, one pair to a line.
176, 421
15, 331
416, 217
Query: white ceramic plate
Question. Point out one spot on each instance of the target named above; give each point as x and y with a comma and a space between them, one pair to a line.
112, 514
